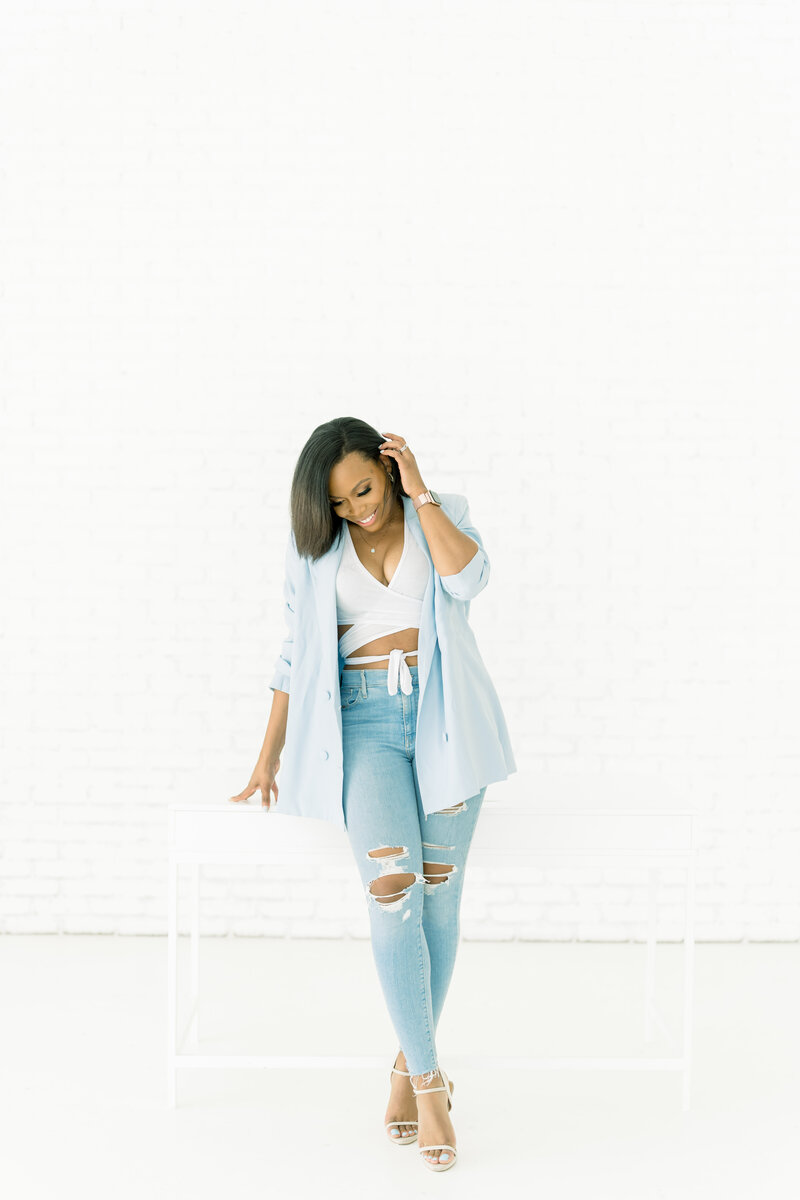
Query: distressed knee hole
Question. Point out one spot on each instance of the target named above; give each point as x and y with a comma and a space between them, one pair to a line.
389, 887
436, 874
390, 891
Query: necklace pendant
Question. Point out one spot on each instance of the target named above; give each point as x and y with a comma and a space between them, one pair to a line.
372, 550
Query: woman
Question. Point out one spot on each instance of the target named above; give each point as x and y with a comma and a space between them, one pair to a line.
391, 726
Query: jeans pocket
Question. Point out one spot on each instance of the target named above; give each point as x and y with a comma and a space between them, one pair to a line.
350, 696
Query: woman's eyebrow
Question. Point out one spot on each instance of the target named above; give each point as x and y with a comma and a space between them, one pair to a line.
358, 485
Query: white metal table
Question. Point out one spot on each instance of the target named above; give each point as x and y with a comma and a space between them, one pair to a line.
240, 833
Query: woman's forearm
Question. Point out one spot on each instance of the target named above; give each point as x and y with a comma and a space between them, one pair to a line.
275, 737
450, 549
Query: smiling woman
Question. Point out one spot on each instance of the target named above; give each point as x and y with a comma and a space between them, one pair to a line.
341, 476
398, 742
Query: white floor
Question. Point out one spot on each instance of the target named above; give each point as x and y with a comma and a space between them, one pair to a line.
84, 1082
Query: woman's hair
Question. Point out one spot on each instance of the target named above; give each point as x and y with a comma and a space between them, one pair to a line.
315, 523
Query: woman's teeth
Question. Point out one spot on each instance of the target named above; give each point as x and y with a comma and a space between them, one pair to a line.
369, 520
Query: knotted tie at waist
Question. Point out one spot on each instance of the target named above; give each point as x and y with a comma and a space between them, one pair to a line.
398, 669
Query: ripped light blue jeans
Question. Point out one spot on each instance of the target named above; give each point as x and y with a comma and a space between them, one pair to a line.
411, 864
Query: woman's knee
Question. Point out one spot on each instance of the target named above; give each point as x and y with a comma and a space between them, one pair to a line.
437, 873
391, 887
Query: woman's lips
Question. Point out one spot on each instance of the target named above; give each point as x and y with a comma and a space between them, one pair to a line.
369, 521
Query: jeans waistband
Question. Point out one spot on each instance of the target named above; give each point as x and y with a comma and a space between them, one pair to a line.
398, 673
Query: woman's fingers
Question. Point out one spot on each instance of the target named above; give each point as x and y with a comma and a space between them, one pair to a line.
265, 797
257, 786
248, 791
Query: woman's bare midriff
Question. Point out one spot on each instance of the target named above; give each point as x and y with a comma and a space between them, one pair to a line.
406, 639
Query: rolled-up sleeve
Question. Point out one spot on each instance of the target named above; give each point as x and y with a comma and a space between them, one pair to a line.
472, 578
283, 663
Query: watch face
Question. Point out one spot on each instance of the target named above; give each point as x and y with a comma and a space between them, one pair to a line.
436, 498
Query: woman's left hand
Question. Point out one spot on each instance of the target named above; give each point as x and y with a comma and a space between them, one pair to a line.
410, 476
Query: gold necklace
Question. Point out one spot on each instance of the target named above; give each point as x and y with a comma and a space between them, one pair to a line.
361, 533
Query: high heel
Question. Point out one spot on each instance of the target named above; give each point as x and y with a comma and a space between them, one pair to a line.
449, 1087
400, 1138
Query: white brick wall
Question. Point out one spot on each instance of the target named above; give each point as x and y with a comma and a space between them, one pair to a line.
556, 247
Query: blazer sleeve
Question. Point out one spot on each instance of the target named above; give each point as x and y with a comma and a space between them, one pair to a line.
472, 578
283, 663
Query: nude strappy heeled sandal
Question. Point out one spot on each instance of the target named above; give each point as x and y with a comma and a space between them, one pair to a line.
448, 1087
400, 1138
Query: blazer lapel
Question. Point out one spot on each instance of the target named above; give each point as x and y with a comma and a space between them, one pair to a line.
427, 626
323, 578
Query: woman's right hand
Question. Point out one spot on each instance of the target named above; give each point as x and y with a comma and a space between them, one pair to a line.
263, 780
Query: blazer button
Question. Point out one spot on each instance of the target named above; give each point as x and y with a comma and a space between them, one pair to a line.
327, 695
324, 754
444, 736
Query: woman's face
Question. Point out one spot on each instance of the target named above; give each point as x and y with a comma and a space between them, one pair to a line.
359, 488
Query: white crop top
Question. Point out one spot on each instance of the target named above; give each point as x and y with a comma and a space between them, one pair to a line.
373, 610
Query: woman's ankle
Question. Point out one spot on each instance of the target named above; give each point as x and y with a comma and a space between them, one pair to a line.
431, 1079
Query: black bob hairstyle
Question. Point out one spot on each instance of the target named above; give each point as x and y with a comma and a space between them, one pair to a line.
315, 522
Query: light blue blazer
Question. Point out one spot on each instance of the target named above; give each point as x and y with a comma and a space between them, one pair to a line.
462, 741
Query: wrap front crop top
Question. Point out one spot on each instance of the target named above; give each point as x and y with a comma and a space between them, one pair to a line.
373, 609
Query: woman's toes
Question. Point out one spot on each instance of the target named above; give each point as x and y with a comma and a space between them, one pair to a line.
401, 1132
